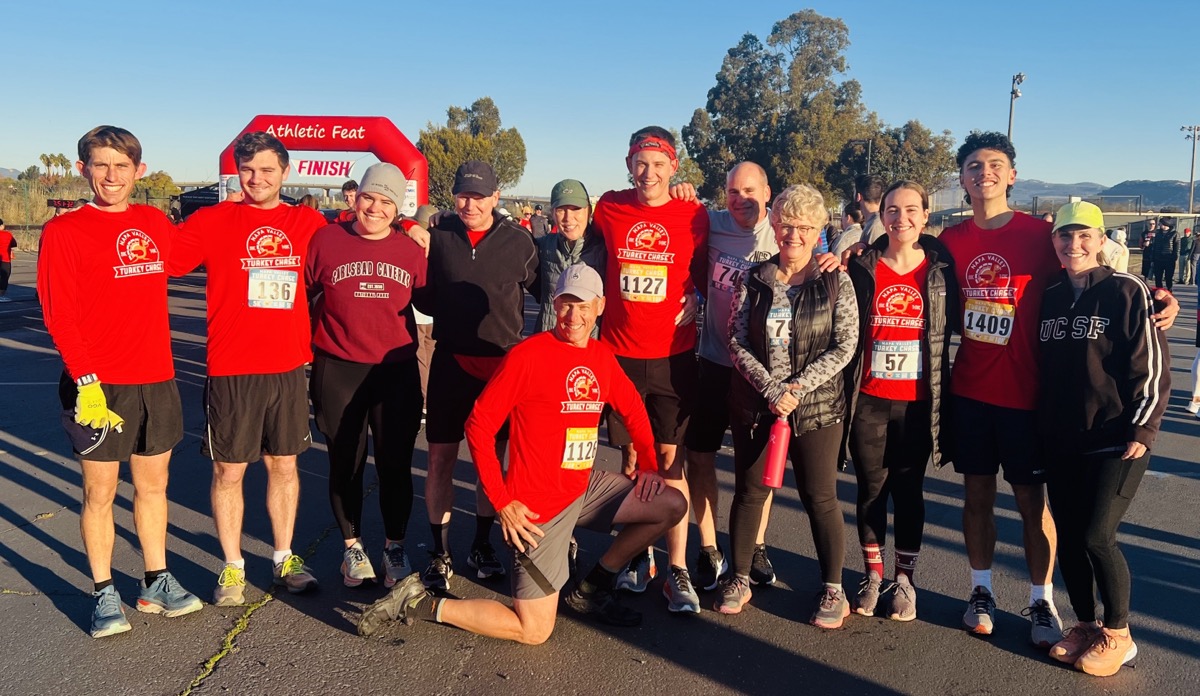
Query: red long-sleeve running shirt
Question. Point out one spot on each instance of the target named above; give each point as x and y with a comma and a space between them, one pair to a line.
103, 288
257, 309
553, 393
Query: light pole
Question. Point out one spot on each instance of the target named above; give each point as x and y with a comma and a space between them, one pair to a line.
1012, 99
1191, 172
868, 142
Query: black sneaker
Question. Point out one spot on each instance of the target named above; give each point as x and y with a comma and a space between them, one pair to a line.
710, 566
761, 570
437, 576
603, 604
483, 560
573, 561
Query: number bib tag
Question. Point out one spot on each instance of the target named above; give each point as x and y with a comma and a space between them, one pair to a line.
580, 450
779, 326
643, 283
727, 271
988, 322
898, 360
271, 289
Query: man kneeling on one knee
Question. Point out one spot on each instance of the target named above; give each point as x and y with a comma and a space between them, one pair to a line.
552, 387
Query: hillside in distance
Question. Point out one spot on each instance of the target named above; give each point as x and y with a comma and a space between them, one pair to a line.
1156, 195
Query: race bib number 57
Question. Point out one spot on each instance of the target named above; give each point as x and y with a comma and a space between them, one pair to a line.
988, 322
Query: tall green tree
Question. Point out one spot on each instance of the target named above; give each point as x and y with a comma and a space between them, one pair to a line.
910, 151
470, 133
782, 104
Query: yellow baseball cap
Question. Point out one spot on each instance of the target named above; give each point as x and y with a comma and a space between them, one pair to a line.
1079, 213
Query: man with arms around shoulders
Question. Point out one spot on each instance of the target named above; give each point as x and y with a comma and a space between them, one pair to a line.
739, 237
480, 266
1003, 265
259, 340
110, 253
657, 260
553, 387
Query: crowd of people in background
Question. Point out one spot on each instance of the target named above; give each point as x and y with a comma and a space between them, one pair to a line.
1059, 383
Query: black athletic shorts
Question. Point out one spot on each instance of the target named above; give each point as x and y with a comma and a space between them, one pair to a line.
251, 415
152, 412
451, 395
988, 437
710, 416
668, 386
595, 509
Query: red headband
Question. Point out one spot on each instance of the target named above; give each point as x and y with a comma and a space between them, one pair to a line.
653, 143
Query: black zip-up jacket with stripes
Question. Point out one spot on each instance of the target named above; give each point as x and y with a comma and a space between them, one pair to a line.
476, 295
1105, 371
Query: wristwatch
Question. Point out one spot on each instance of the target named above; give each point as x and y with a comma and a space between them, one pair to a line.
86, 380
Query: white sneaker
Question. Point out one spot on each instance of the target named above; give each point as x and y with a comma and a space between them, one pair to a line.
1192, 407
356, 567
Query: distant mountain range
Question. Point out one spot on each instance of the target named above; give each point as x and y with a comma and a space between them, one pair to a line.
1156, 195
9, 173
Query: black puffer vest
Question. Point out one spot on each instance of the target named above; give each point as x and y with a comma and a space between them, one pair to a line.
812, 332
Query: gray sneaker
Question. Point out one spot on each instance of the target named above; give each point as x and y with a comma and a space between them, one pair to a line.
735, 592
108, 618
294, 575
1046, 629
868, 594
231, 587
640, 572
832, 609
394, 606
165, 596
681, 595
356, 567
904, 600
981, 611
396, 566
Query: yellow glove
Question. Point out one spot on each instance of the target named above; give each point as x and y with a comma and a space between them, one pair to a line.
91, 408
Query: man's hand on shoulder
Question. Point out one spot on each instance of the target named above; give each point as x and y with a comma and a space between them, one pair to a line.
684, 192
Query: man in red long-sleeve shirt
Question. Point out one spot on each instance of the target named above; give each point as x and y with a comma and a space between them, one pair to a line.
259, 339
108, 256
552, 387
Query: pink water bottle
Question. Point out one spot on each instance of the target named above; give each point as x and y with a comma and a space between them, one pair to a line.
777, 452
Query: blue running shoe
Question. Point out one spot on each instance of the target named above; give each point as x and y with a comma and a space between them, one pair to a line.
108, 618
165, 596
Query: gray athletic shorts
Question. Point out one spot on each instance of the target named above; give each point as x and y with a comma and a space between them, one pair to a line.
594, 510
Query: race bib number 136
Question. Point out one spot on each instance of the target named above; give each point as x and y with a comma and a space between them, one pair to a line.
271, 289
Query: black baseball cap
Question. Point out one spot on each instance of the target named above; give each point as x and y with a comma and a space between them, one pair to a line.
475, 176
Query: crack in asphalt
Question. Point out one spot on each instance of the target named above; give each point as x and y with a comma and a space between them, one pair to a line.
38, 518
243, 621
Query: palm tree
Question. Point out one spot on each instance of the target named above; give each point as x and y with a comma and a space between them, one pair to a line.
65, 163
47, 160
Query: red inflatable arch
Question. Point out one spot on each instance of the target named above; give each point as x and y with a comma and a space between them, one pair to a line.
374, 134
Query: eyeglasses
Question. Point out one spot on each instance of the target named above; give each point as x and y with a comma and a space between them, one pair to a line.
803, 230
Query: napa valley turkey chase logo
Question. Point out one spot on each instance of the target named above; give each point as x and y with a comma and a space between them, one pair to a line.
899, 305
989, 277
269, 248
583, 392
647, 242
138, 255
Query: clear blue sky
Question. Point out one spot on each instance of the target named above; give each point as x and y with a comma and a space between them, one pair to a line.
1108, 84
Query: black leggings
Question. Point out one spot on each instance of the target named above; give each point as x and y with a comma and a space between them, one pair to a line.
814, 458
1089, 495
5, 273
347, 399
890, 443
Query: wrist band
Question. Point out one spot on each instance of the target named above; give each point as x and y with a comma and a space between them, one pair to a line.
86, 380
